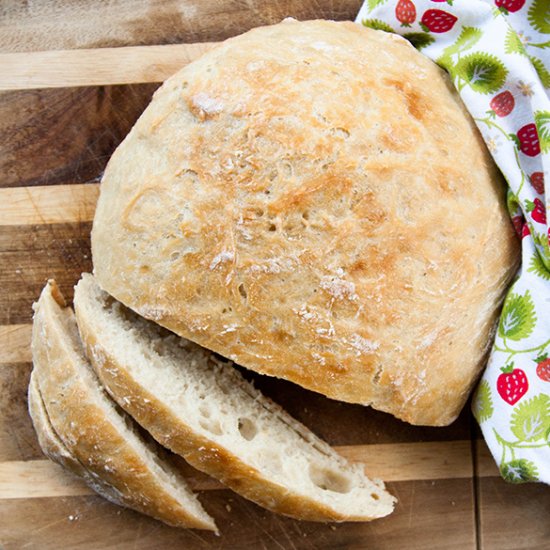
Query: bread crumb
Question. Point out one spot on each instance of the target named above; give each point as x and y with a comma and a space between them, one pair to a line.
339, 288
228, 328
206, 104
362, 345
223, 256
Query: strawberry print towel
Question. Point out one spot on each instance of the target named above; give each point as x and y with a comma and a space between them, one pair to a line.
497, 53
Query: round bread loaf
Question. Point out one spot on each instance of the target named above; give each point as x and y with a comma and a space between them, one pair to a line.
313, 201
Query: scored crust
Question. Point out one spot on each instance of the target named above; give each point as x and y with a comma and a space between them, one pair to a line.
313, 201
92, 431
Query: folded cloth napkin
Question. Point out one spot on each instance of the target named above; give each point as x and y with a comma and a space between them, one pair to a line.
497, 53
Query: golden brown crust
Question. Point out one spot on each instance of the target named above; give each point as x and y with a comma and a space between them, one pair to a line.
48, 440
312, 201
88, 429
204, 454
55, 449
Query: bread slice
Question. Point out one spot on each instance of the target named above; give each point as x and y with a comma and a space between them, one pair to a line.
81, 428
201, 408
55, 449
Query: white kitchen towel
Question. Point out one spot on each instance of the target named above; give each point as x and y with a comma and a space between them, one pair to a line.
497, 53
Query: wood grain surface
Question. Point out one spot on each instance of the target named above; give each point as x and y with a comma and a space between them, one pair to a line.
54, 144
96, 67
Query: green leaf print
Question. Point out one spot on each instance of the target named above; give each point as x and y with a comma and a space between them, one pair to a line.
538, 268
539, 16
483, 72
482, 404
518, 317
374, 3
419, 39
542, 71
376, 24
543, 247
519, 471
468, 37
531, 418
446, 62
542, 121
513, 44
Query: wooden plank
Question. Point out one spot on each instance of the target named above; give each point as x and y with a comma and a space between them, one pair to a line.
510, 517
45, 479
17, 437
48, 204
15, 343
65, 135
391, 462
32, 254
485, 464
58, 24
430, 514
95, 67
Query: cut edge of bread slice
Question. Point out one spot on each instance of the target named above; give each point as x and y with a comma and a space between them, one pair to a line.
202, 409
98, 440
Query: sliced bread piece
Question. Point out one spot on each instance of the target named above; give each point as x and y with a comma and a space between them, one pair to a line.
204, 410
55, 449
93, 431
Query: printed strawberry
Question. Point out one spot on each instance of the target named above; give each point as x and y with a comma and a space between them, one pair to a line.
437, 21
518, 224
537, 181
537, 209
405, 12
543, 368
502, 104
512, 384
527, 140
509, 6
525, 231
450, 2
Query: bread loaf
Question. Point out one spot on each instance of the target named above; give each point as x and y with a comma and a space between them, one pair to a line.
81, 428
313, 201
202, 409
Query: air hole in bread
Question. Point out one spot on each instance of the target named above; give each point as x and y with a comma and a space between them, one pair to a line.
211, 425
305, 215
374, 496
205, 411
158, 348
174, 256
259, 212
247, 429
242, 291
272, 227
329, 480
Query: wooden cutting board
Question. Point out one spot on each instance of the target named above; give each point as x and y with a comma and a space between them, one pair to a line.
62, 112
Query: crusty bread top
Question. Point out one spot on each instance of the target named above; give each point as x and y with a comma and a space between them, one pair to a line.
94, 432
312, 201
